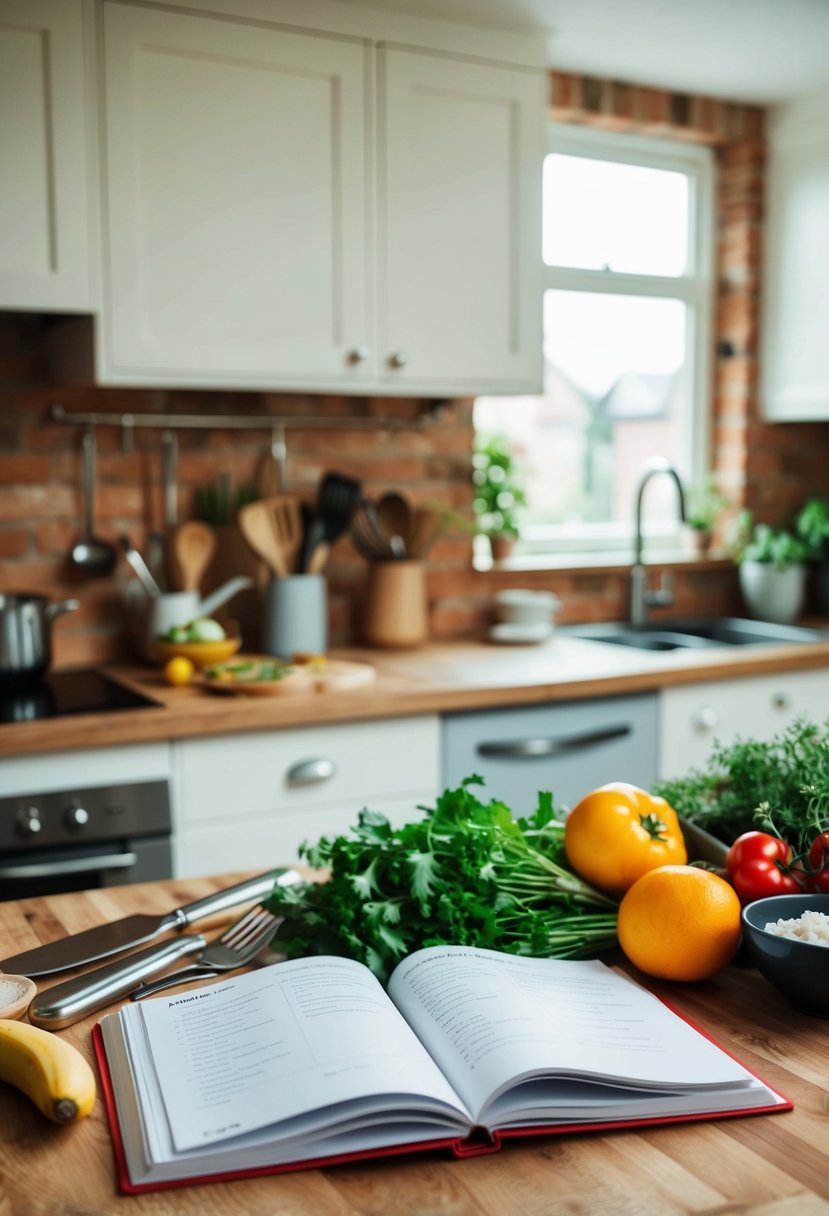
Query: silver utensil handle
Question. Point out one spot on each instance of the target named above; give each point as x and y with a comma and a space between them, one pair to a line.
72, 1000
231, 897
185, 975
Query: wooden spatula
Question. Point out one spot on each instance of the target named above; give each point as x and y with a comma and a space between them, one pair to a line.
192, 549
285, 511
257, 528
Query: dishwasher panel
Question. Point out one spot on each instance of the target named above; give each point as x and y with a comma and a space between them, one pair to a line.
568, 748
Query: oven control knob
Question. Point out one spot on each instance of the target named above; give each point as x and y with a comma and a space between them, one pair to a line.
76, 817
28, 821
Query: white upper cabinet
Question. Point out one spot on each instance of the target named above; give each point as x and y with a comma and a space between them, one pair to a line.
314, 210
459, 223
795, 367
44, 236
236, 169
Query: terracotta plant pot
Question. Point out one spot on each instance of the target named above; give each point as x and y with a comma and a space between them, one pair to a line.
501, 546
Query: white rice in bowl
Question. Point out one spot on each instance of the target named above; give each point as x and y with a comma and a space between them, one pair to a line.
812, 927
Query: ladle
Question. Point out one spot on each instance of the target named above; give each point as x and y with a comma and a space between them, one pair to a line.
91, 553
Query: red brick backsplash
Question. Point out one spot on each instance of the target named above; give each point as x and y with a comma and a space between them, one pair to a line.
770, 469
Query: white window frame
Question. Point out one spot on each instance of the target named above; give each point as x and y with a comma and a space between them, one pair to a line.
696, 289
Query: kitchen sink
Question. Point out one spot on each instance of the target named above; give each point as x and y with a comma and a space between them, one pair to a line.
694, 634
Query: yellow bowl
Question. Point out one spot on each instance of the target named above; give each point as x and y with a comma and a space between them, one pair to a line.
200, 654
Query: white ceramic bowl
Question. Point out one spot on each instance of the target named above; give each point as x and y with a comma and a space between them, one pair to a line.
518, 606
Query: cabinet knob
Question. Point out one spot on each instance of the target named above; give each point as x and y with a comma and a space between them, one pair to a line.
781, 700
311, 772
398, 359
358, 354
705, 718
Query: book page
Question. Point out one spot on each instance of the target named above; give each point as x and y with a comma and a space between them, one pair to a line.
279, 1042
489, 1019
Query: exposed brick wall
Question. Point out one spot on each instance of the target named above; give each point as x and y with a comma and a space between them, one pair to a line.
768, 468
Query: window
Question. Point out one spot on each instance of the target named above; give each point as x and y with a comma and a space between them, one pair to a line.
627, 250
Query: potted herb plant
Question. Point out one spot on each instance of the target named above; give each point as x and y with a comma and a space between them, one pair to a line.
705, 503
772, 563
499, 494
812, 526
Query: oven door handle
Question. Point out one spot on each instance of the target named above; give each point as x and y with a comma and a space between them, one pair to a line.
73, 865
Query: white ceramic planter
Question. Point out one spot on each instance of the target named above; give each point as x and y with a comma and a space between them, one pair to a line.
771, 594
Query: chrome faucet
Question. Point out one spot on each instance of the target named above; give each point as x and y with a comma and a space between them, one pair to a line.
641, 599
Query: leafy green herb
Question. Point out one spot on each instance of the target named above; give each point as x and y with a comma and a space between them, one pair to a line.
781, 786
468, 873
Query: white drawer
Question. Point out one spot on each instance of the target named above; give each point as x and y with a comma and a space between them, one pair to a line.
274, 840
235, 777
694, 716
98, 766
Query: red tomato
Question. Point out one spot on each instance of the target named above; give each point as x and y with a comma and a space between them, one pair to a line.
756, 846
761, 876
819, 852
820, 881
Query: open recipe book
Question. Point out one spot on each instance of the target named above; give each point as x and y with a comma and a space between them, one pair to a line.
312, 1062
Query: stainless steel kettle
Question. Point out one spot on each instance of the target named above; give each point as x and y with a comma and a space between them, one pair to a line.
26, 634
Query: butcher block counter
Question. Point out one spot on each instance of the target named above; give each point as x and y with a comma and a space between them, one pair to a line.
772, 1165
435, 678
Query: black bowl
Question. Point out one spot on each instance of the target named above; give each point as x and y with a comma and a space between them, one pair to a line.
800, 970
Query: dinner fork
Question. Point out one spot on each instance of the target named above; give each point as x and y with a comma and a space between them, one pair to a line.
67, 1003
238, 944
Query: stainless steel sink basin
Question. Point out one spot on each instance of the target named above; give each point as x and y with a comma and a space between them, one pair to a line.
691, 634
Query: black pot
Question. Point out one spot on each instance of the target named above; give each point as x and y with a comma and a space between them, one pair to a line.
26, 635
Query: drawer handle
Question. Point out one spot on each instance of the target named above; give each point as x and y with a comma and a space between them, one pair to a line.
526, 749
73, 865
311, 772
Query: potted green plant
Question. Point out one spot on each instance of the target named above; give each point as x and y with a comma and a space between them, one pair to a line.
812, 526
772, 563
705, 503
499, 494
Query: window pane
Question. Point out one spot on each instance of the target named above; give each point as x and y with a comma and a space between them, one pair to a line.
615, 396
604, 215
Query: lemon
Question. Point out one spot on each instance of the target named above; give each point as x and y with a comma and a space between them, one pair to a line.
178, 670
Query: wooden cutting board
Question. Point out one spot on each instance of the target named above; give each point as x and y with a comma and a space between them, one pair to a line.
330, 675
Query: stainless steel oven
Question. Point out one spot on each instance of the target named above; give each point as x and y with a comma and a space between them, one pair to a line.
77, 837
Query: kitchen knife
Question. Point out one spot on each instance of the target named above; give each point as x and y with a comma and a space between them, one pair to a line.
92, 945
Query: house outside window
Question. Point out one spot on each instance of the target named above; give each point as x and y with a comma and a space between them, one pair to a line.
627, 249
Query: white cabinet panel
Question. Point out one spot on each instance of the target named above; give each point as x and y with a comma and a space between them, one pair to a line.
236, 176
459, 173
242, 800
693, 716
97, 766
44, 239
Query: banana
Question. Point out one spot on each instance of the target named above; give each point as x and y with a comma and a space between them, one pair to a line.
46, 1069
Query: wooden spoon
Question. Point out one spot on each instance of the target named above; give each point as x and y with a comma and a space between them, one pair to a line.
257, 528
192, 549
426, 524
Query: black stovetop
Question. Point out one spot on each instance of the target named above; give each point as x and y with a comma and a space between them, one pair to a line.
83, 690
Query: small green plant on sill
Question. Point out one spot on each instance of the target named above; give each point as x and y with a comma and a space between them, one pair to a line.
499, 494
812, 526
705, 503
753, 542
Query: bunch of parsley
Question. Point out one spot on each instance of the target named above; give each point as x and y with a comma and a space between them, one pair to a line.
779, 785
468, 873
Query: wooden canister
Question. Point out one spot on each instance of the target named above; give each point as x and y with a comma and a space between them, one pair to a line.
396, 610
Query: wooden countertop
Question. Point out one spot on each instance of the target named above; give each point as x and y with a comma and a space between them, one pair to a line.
774, 1165
435, 678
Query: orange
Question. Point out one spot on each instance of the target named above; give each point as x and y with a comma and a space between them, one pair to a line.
680, 923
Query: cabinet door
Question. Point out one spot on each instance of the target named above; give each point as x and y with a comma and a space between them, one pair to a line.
567, 749
795, 383
459, 262
694, 716
236, 215
44, 240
